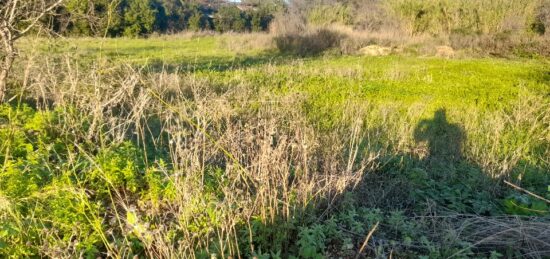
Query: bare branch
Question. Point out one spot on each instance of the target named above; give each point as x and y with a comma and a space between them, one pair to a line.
36, 19
17, 18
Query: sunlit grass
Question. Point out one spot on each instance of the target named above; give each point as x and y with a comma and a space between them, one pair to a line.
489, 82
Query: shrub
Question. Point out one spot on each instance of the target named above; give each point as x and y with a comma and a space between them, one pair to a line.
441, 17
331, 14
311, 241
312, 43
541, 23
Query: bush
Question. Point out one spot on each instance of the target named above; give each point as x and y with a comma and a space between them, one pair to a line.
51, 195
501, 44
331, 14
441, 17
312, 43
541, 23
260, 20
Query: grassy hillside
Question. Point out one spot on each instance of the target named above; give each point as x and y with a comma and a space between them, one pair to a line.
220, 146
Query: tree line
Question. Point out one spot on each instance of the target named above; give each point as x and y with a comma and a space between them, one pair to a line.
142, 17
134, 18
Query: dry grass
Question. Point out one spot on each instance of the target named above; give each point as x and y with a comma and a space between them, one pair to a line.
275, 164
530, 238
242, 43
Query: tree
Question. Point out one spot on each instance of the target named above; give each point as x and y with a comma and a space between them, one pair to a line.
230, 18
196, 21
139, 18
256, 22
17, 18
78, 18
176, 12
88, 18
260, 20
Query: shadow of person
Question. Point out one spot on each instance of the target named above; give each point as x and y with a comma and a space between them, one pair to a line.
444, 140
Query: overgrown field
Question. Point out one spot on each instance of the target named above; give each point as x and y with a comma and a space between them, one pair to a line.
219, 146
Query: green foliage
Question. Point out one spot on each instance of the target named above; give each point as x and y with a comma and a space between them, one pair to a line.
522, 204
139, 18
274, 238
260, 20
460, 189
230, 18
25, 151
196, 22
159, 185
77, 10
311, 242
37, 194
89, 17
117, 168
538, 28
51, 194
135, 18
436, 17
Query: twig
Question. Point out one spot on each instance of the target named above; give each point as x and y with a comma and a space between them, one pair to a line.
367, 240
526, 191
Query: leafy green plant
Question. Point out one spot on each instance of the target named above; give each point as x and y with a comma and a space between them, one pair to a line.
522, 204
311, 242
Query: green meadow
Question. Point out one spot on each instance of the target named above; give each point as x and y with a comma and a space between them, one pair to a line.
488, 82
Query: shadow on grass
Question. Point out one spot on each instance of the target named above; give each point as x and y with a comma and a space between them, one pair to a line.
444, 139
440, 205
445, 191
441, 178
